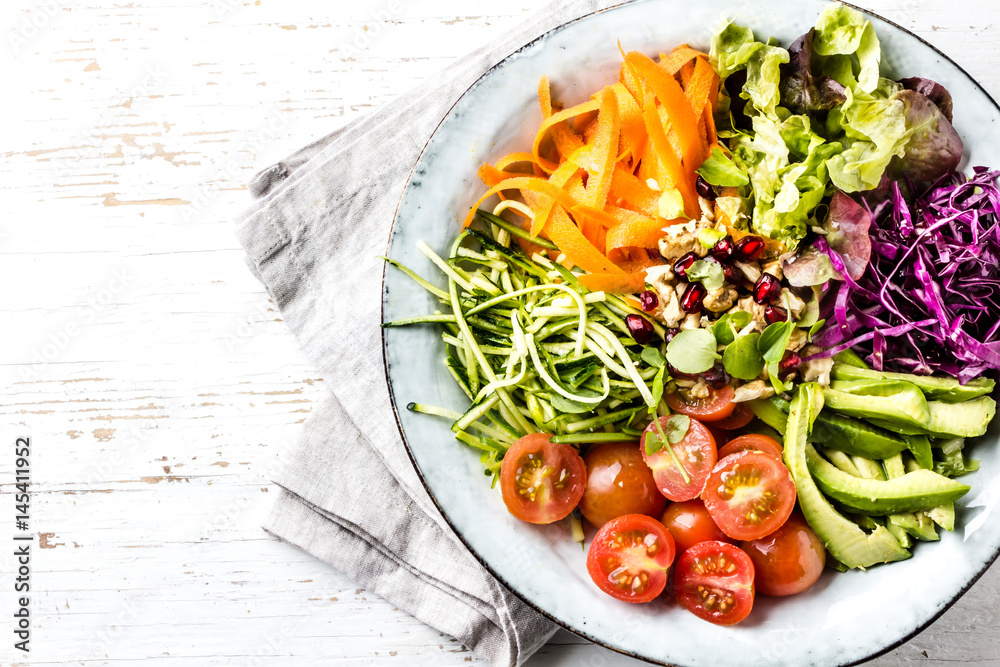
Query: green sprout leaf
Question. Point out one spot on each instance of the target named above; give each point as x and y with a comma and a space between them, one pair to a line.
693, 351
774, 341
725, 325
815, 328
675, 429
742, 358
709, 237
653, 443
657, 390
671, 204
707, 273
653, 357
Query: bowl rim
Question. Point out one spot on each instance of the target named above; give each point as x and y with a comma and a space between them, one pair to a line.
395, 410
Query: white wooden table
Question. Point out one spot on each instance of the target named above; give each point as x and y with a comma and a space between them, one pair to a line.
149, 368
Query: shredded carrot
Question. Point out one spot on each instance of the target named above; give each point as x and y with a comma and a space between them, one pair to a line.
679, 57
514, 158
669, 93
641, 264
492, 176
626, 283
564, 233
635, 231
599, 170
605, 151
634, 193
546, 188
628, 77
633, 138
545, 96
685, 74
699, 92
553, 120
668, 159
559, 178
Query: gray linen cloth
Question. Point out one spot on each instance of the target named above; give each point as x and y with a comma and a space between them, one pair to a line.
349, 493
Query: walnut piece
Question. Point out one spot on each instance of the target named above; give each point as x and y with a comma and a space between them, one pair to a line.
752, 391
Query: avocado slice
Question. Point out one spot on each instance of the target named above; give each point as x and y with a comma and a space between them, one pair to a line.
856, 437
846, 542
961, 420
920, 447
841, 460
949, 459
917, 524
850, 358
852, 436
948, 390
913, 492
943, 515
769, 411
894, 401
948, 420
900, 534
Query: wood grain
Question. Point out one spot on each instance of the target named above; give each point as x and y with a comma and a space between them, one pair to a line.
154, 376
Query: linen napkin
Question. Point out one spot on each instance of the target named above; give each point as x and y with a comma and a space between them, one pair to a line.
349, 494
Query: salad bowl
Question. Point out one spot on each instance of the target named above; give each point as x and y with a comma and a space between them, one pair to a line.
845, 618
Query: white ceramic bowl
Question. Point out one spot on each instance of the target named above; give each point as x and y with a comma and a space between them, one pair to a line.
844, 618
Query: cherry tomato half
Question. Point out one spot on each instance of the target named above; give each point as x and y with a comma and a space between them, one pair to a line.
742, 415
618, 482
789, 560
541, 481
696, 452
718, 406
714, 581
630, 556
750, 495
690, 523
752, 442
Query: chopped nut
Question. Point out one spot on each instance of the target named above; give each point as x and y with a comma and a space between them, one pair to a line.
794, 303
700, 389
721, 299
798, 340
752, 391
707, 209
817, 370
660, 276
774, 268
750, 269
692, 321
687, 384
675, 247
671, 312
755, 309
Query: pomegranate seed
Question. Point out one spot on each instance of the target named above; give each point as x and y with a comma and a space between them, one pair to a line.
683, 264
750, 248
731, 273
669, 334
790, 362
640, 328
716, 377
704, 189
724, 249
649, 301
775, 314
767, 289
693, 297
676, 374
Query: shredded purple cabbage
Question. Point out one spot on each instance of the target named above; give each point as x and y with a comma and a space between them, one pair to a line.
929, 299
